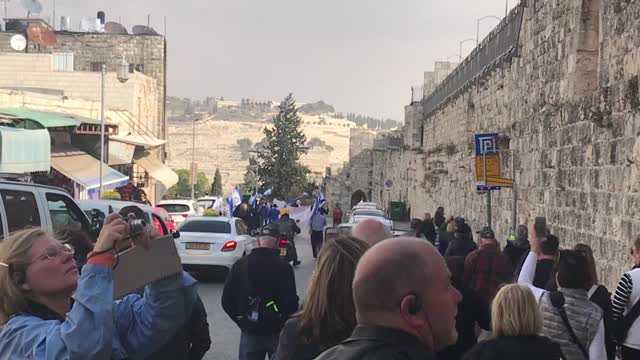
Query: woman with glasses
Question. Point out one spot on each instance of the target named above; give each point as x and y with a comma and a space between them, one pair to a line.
48, 311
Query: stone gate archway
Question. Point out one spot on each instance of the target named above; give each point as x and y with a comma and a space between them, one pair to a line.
357, 197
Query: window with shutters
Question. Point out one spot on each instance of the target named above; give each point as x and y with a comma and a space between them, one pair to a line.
62, 62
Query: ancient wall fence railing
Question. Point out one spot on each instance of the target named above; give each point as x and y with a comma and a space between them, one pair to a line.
499, 47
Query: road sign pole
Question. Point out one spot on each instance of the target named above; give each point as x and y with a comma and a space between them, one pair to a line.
489, 209
514, 214
484, 170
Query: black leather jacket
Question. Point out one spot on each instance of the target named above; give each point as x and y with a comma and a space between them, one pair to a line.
286, 226
378, 343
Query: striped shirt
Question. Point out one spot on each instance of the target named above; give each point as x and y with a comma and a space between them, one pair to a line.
622, 296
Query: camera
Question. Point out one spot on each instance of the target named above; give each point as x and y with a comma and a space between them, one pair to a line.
133, 216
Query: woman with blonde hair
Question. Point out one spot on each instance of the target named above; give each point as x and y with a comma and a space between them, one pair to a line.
328, 316
516, 323
39, 319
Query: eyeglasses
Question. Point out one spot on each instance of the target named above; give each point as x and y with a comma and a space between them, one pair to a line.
54, 251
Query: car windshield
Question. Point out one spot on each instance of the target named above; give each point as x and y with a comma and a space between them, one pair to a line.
205, 204
175, 208
377, 213
206, 226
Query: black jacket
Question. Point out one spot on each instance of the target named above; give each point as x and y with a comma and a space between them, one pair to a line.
370, 342
271, 279
191, 342
461, 247
602, 298
516, 347
472, 310
286, 226
292, 346
514, 252
429, 231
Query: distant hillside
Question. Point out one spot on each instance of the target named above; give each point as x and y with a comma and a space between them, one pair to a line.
249, 110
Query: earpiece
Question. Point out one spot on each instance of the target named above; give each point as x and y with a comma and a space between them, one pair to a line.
416, 304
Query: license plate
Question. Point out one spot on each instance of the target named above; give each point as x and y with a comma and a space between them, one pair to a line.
283, 252
198, 246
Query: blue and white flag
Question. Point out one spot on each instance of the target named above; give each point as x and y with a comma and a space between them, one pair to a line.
317, 204
230, 207
268, 192
293, 201
252, 201
236, 197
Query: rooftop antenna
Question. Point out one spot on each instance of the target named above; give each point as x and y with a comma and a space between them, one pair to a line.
32, 6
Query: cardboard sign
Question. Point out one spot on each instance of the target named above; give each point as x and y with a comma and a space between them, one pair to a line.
138, 267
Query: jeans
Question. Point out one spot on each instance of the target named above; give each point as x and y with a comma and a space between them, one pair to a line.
316, 242
630, 353
256, 347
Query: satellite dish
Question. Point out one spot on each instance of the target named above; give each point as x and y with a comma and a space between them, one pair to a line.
143, 30
18, 42
115, 28
32, 6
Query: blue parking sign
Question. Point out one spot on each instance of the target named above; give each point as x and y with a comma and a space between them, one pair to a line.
486, 144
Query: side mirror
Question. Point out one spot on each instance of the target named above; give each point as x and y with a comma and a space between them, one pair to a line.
176, 234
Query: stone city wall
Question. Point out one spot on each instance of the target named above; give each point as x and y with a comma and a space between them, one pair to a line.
568, 111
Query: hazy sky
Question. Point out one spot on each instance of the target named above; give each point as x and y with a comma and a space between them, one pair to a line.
359, 55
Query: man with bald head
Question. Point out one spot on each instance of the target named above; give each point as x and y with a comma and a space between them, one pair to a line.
371, 231
405, 304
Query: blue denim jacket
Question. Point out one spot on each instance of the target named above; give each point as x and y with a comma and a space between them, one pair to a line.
97, 327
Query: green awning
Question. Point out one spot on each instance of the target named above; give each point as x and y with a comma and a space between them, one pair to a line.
23, 151
48, 119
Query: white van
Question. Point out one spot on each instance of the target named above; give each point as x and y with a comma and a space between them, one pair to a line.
24, 205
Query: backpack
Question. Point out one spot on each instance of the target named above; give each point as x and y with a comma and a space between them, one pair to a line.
259, 312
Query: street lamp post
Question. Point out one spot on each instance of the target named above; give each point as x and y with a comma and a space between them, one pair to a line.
462, 43
478, 25
122, 73
194, 176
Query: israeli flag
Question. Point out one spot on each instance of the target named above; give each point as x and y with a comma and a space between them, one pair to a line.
230, 207
291, 202
236, 197
268, 192
317, 204
252, 201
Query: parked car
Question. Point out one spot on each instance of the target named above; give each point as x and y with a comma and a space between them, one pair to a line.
365, 205
164, 215
25, 205
111, 206
180, 209
213, 243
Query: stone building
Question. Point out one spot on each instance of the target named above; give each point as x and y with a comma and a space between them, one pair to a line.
86, 52
562, 90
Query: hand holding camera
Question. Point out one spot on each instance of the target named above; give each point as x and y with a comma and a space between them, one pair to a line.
120, 232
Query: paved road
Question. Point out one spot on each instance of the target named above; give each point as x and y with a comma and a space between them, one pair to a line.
225, 334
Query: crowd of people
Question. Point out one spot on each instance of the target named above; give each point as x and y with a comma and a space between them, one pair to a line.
433, 293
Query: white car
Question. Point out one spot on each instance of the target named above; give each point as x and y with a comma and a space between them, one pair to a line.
180, 209
207, 201
211, 242
365, 205
368, 212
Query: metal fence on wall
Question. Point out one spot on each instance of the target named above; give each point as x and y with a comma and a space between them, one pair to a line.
499, 46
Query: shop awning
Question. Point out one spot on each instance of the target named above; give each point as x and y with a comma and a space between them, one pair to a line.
120, 153
84, 169
23, 151
156, 169
145, 141
48, 119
